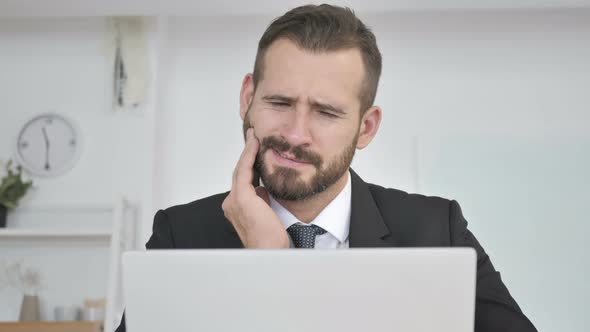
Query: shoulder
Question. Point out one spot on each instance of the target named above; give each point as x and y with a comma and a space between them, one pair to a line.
390, 198
208, 206
198, 224
419, 220
204, 212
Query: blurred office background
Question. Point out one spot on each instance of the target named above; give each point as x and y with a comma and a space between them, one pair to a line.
484, 102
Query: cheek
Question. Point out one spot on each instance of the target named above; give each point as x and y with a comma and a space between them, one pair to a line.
333, 135
327, 144
265, 122
332, 143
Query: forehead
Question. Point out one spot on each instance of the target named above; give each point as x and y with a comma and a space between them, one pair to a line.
332, 76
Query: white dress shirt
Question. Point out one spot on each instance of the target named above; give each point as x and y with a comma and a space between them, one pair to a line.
334, 218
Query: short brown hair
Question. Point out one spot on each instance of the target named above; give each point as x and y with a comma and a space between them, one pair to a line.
326, 28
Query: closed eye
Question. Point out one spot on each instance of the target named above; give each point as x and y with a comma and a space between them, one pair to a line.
279, 104
328, 114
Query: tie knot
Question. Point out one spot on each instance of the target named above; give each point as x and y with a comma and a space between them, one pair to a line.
303, 236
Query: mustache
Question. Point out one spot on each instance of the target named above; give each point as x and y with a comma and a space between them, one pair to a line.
300, 153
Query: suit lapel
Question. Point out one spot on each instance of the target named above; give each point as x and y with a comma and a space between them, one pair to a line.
367, 228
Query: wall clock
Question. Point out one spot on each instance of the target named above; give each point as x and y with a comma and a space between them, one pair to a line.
48, 145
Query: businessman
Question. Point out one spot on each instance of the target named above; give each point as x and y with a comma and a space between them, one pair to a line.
306, 108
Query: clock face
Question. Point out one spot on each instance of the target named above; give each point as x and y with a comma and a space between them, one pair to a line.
48, 145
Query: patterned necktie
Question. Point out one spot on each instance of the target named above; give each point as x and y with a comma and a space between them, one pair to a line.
304, 236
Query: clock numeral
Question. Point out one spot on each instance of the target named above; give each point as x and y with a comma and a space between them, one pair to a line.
24, 144
49, 120
72, 142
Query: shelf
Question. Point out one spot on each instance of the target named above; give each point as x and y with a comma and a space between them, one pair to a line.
54, 233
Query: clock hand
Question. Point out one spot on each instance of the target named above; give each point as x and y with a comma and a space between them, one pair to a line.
47, 167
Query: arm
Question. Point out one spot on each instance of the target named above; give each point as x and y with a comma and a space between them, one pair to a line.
161, 239
495, 309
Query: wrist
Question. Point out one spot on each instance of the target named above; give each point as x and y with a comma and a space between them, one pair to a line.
268, 242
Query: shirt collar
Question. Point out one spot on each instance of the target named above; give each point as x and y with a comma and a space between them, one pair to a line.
334, 218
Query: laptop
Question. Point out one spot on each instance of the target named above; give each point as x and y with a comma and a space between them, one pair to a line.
354, 290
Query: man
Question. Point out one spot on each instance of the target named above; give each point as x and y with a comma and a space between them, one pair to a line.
306, 108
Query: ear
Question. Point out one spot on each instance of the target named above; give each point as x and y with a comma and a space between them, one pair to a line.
369, 126
246, 95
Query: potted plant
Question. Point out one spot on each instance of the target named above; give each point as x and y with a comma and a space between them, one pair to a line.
12, 189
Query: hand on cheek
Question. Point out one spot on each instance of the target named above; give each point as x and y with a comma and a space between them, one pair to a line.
248, 209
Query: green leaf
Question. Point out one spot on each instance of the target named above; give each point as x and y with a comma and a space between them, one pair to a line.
12, 187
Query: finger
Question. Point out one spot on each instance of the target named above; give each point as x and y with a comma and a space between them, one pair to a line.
262, 193
236, 168
244, 168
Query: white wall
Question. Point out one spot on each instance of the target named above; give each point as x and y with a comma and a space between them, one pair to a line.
459, 90
65, 66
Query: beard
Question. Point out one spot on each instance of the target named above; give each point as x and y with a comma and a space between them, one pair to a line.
286, 183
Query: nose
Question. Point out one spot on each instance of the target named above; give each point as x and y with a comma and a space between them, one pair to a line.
297, 128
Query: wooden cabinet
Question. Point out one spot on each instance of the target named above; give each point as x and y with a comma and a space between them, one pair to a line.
51, 327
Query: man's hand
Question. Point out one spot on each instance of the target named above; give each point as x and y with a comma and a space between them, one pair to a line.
248, 208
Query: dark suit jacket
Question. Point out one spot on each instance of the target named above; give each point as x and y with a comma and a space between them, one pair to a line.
380, 217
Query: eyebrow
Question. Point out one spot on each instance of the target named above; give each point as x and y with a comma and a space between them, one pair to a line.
280, 98
315, 104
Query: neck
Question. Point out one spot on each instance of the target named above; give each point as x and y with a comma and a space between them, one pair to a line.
308, 209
